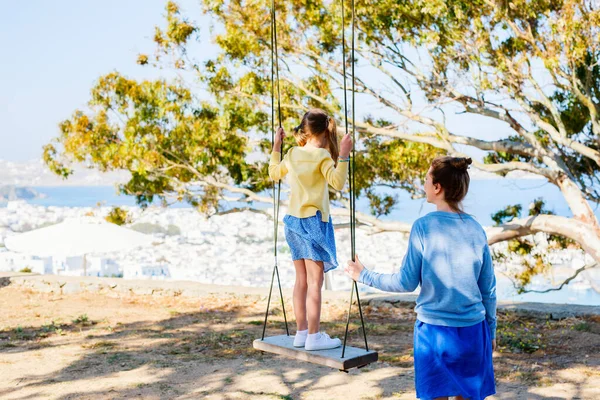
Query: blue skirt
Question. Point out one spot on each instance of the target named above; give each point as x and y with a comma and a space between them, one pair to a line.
311, 238
452, 361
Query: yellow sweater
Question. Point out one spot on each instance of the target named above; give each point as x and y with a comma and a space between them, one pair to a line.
310, 170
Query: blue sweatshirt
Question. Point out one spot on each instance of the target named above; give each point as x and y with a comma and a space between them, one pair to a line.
449, 257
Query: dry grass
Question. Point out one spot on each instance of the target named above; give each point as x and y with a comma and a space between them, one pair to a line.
89, 338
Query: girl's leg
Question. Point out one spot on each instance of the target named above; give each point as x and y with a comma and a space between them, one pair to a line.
314, 274
300, 288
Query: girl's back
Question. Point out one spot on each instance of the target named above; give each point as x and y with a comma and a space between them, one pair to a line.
310, 171
304, 164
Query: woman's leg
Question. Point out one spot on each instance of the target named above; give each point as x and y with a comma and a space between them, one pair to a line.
314, 274
300, 288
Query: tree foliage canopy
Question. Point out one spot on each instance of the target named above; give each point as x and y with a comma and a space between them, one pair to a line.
531, 65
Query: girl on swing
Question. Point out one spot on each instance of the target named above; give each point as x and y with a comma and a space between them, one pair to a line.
448, 255
317, 162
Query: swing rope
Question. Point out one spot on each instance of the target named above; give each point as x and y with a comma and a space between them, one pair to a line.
276, 188
351, 172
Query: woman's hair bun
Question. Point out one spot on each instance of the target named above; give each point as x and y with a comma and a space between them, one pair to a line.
461, 163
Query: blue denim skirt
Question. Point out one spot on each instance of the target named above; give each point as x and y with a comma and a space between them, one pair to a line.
311, 238
453, 361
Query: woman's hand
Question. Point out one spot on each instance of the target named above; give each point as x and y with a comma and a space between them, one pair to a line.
493, 344
279, 136
346, 146
354, 268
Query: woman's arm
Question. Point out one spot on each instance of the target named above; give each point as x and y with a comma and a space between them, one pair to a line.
405, 280
487, 287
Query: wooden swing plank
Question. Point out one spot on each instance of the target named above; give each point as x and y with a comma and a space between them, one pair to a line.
354, 357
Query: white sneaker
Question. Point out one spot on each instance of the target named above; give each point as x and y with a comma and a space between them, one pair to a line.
321, 341
300, 338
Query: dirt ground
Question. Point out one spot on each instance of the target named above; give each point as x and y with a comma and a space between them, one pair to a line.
91, 346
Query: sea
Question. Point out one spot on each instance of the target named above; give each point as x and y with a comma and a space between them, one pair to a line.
485, 197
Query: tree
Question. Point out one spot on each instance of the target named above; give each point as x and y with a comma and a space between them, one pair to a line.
531, 64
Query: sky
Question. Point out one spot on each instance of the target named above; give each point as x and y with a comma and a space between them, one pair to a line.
52, 53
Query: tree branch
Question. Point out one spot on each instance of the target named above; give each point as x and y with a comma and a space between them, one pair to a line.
556, 136
473, 106
500, 168
566, 281
586, 234
242, 209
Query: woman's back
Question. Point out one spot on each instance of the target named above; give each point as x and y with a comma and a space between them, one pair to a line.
449, 257
457, 276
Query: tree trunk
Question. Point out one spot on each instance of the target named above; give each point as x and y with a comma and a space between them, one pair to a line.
577, 203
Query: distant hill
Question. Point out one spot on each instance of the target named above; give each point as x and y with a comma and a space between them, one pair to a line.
12, 193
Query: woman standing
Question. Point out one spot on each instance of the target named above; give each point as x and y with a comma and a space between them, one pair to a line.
449, 257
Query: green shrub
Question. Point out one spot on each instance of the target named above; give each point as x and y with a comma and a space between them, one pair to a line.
582, 327
83, 320
519, 337
118, 216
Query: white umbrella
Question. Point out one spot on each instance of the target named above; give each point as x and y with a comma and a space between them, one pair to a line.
76, 237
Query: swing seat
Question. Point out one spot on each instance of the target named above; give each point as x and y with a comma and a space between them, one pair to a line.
354, 357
